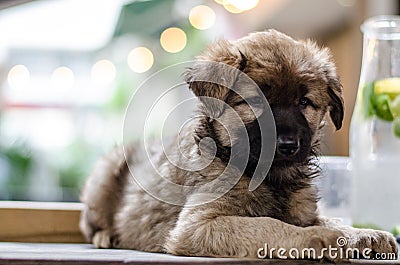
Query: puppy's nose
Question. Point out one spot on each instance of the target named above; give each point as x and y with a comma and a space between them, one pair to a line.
287, 145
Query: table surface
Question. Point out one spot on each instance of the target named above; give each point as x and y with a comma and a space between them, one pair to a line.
39, 253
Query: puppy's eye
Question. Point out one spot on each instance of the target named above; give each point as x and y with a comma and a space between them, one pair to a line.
304, 102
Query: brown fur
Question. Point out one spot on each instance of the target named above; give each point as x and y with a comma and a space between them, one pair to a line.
281, 212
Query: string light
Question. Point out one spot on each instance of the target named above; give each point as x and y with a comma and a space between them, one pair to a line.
221, 2
232, 9
18, 76
173, 40
103, 72
243, 5
202, 17
140, 59
238, 6
63, 78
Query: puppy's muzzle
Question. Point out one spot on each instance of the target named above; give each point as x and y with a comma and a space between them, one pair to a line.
287, 146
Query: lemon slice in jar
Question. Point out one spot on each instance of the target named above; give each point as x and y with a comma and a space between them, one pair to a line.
395, 109
382, 107
390, 86
396, 127
386, 101
395, 106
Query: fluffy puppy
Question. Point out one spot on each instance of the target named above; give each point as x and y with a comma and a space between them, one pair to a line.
299, 81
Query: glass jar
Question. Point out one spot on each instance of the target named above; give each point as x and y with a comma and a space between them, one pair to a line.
375, 128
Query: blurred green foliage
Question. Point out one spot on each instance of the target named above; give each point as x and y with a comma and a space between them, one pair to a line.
16, 161
69, 166
73, 165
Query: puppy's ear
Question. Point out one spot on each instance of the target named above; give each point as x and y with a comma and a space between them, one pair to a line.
336, 105
213, 74
326, 64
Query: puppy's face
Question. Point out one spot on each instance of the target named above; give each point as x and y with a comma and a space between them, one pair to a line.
297, 78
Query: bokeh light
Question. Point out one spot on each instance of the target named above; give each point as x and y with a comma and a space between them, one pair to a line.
62, 78
18, 76
238, 6
202, 17
103, 73
232, 9
173, 40
140, 59
244, 5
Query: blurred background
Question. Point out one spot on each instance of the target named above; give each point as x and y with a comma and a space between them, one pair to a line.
69, 67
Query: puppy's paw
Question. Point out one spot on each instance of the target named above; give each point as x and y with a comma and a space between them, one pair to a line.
102, 239
324, 242
373, 244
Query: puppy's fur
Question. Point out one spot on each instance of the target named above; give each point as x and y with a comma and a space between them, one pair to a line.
299, 81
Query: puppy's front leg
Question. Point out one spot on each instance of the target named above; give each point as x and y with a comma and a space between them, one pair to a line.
201, 231
369, 242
